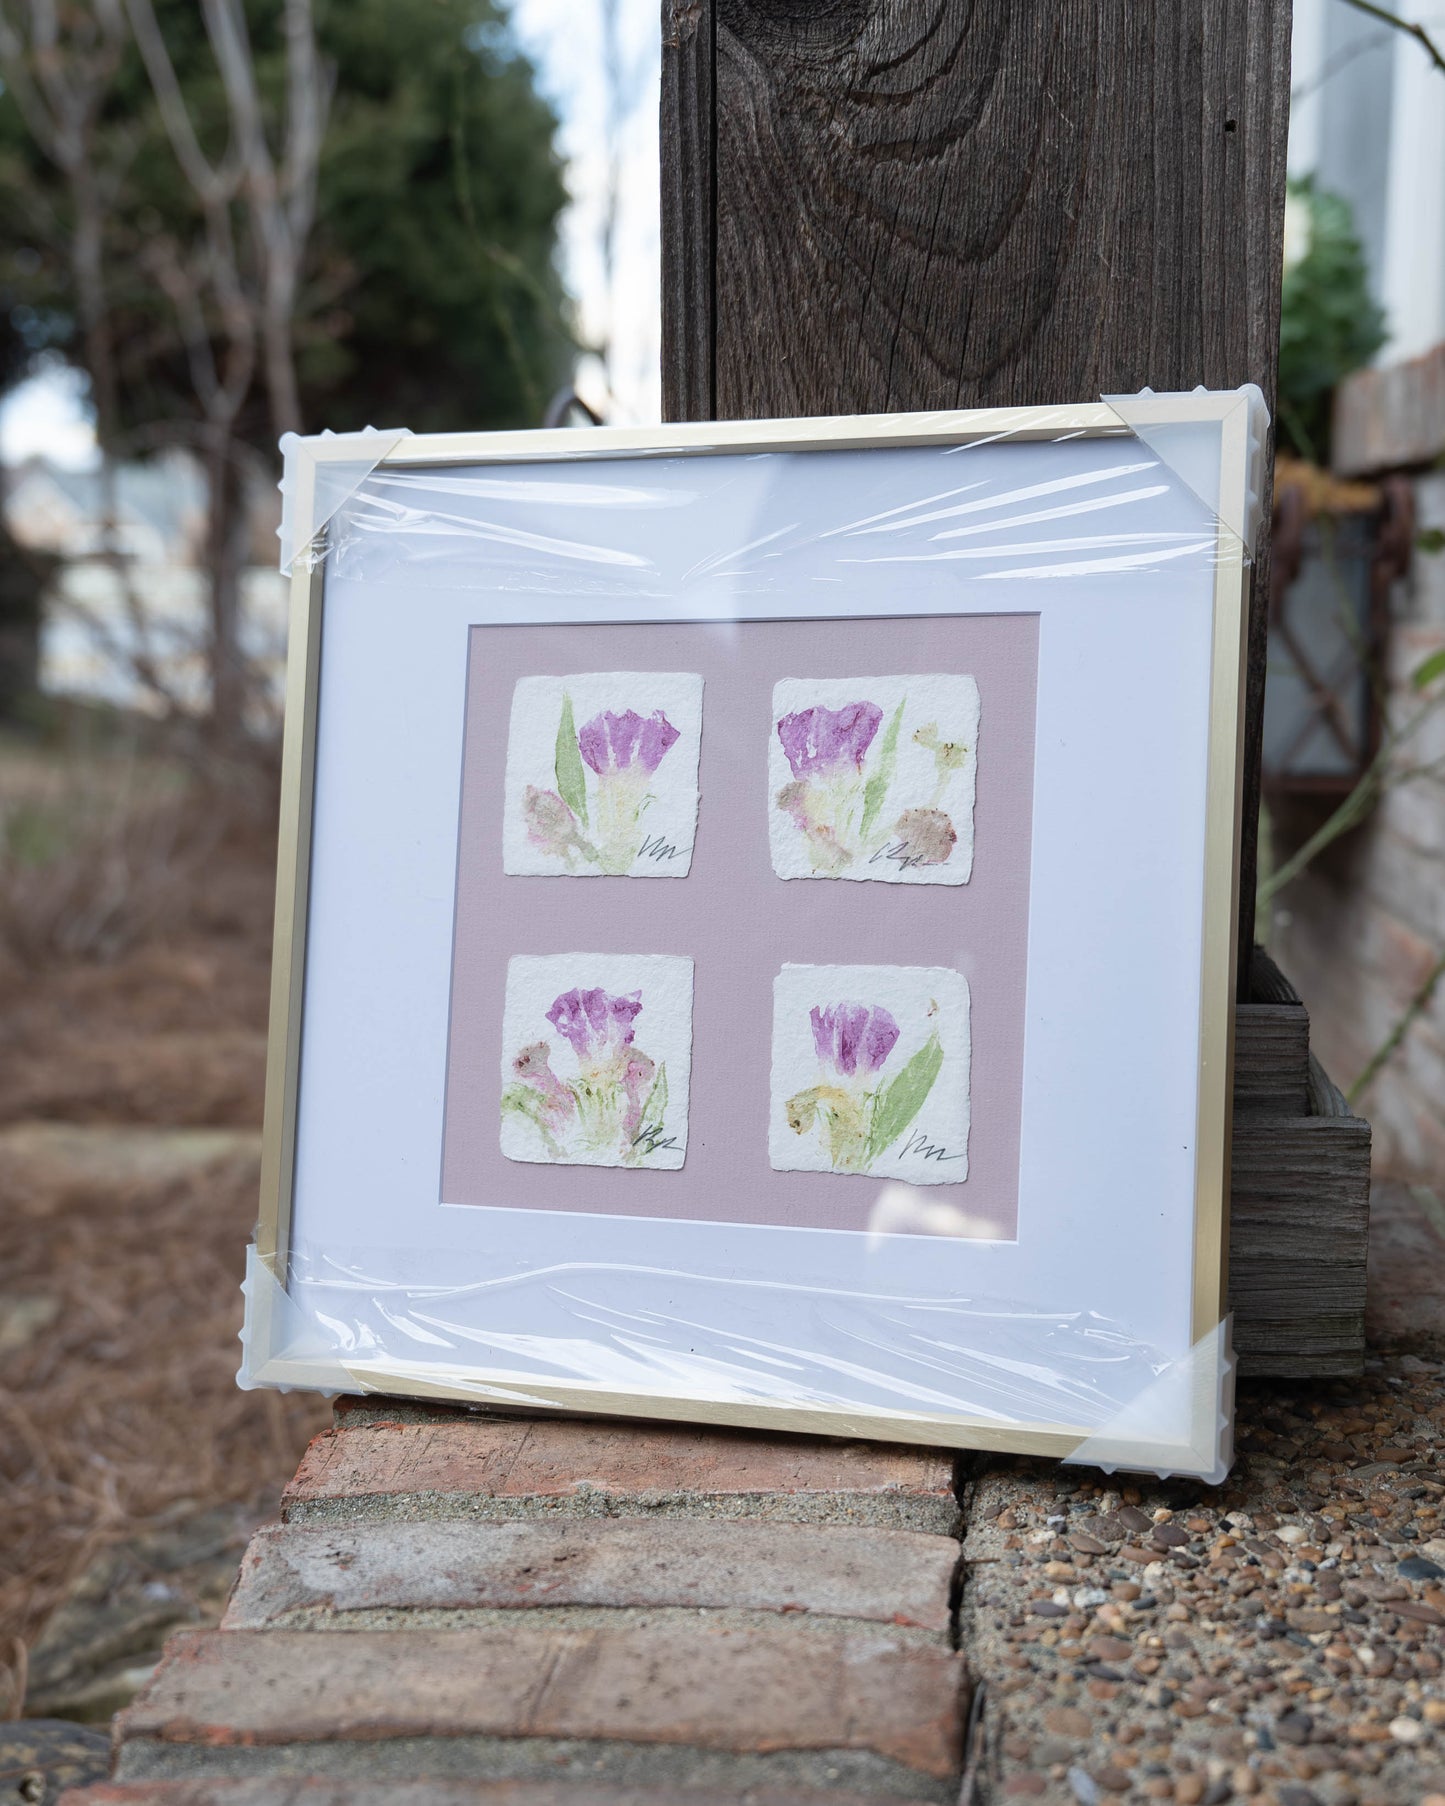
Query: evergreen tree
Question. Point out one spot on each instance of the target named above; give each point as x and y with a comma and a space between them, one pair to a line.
429, 296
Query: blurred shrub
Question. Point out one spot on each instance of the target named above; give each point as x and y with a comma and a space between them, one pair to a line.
1329, 322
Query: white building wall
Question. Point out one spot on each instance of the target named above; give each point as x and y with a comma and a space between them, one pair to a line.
1368, 121
1412, 275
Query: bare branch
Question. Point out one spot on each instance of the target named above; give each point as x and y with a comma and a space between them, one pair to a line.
213, 186
281, 207
308, 101
1408, 26
163, 261
15, 64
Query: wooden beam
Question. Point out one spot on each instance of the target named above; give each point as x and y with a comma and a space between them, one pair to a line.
688, 207
876, 205
872, 205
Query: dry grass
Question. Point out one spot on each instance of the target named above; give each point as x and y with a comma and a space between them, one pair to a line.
135, 925
105, 848
126, 1408
134, 957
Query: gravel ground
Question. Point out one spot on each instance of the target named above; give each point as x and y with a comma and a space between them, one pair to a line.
1277, 1639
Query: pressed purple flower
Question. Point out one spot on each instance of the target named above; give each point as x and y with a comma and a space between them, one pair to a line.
853, 1037
592, 1021
611, 742
551, 825
555, 1102
816, 739
637, 1077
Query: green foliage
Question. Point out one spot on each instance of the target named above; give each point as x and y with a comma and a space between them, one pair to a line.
897, 1104
875, 791
571, 779
654, 1111
429, 297
1428, 670
1329, 323
521, 1100
433, 300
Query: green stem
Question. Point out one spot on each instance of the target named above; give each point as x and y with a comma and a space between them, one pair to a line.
1397, 1034
1377, 777
1408, 26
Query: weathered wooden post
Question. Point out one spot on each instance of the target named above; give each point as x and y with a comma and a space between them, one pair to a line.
870, 205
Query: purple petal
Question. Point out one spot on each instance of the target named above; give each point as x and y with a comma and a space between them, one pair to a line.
591, 1020
879, 1038
611, 742
817, 738
595, 1004
852, 1035
657, 734
594, 743
625, 1010
566, 1016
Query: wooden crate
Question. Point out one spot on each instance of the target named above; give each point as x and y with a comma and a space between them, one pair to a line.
1300, 1203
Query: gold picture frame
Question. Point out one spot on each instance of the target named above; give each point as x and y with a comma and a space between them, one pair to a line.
281, 1353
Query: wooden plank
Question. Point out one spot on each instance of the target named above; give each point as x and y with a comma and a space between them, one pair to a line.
687, 209
874, 205
927, 203
1325, 1096
1267, 983
1271, 1059
1299, 1229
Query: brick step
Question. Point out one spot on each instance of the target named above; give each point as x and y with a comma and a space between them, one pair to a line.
435, 1463
297, 1572
279, 1790
791, 1688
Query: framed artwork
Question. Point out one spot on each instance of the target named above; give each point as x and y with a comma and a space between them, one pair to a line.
755, 924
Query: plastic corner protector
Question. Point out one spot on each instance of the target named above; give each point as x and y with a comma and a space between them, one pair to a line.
320, 474
280, 1350
1196, 1391
284, 1350
1194, 458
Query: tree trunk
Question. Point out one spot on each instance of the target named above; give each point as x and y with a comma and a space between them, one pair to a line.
225, 547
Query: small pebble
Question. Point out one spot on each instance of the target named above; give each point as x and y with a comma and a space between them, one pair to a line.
1294, 1617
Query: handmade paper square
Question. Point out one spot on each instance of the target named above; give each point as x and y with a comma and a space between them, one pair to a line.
870, 1072
596, 1058
873, 778
602, 775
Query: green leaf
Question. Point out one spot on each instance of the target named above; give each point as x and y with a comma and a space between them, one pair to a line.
1329, 322
1430, 539
522, 1101
895, 1106
1429, 669
875, 791
654, 1111
571, 779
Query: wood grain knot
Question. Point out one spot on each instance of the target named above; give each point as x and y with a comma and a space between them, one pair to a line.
683, 18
